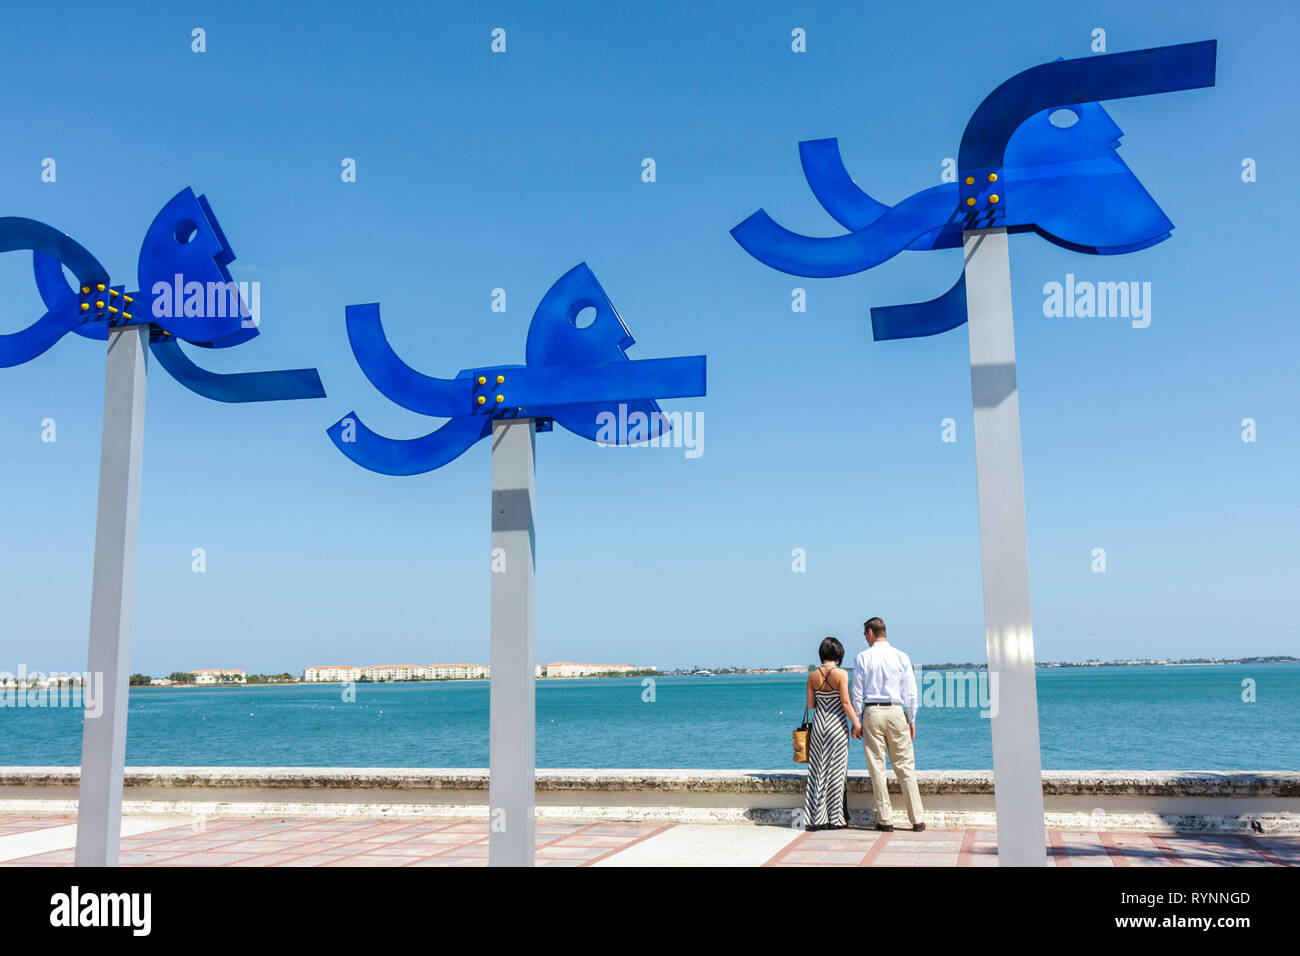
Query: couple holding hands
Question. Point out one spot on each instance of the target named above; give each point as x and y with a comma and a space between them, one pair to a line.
880, 704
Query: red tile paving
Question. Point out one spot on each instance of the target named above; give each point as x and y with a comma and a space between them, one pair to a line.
339, 842
976, 847
361, 843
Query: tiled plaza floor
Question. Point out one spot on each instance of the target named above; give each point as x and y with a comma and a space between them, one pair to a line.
338, 842
975, 847
48, 841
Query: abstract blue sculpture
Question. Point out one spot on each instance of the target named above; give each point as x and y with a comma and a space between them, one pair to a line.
1038, 154
571, 375
185, 292
1016, 169
578, 375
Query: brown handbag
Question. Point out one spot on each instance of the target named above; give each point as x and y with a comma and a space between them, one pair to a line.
801, 739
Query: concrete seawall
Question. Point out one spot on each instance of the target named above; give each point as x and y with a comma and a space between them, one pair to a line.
1189, 801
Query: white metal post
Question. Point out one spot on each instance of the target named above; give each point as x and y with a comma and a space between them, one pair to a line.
112, 600
1004, 551
513, 704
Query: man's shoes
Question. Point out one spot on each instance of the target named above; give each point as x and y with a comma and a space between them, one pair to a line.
918, 827
885, 827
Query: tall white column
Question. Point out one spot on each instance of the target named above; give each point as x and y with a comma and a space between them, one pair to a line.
1004, 551
513, 704
112, 600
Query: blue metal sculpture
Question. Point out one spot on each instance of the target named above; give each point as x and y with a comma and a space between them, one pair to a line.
186, 292
1017, 169
1038, 154
571, 375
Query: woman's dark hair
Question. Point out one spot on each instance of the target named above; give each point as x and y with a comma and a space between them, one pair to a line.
831, 650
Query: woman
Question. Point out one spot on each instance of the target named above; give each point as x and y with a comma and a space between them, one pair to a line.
824, 805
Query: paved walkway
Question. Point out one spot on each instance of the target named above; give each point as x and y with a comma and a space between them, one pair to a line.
168, 841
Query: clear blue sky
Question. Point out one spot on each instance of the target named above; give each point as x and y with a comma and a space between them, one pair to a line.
478, 170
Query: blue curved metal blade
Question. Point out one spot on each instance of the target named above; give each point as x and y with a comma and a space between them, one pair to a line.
19, 233
921, 318
185, 244
392, 456
1071, 183
844, 255
947, 236
554, 337
37, 338
442, 398
53, 286
556, 342
589, 420
834, 188
53, 289
278, 386
1093, 250
51, 250
1109, 76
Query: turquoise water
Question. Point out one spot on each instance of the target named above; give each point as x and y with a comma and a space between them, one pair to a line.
1157, 718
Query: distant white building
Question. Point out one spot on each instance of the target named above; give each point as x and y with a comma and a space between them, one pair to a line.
795, 669
571, 669
458, 672
393, 672
396, 672
331, 674
219, 677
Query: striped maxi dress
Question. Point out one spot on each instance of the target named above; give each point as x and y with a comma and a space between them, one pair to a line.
828, 763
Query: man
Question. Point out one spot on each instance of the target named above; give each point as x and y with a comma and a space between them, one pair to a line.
884, 693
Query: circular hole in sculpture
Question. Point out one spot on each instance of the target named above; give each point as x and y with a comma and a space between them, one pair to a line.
1063, 118
186, 230
585, 317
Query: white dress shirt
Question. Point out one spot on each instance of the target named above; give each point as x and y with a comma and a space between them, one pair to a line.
884, 673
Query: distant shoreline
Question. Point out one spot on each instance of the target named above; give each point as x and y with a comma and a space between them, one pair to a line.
734, 672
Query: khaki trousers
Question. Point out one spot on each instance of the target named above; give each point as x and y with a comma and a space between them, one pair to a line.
884, 730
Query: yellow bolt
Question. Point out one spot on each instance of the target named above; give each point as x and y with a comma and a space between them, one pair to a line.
126, 315
85, 290
128, 299
970, 180
100, 287
500, 379
993, 198
99, 304
970, 201
481, 399
500, 399
113, 310
113, 293
85, 306
482, 379
993, 177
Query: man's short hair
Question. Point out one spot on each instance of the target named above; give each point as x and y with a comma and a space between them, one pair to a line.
876, 626
831, 650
